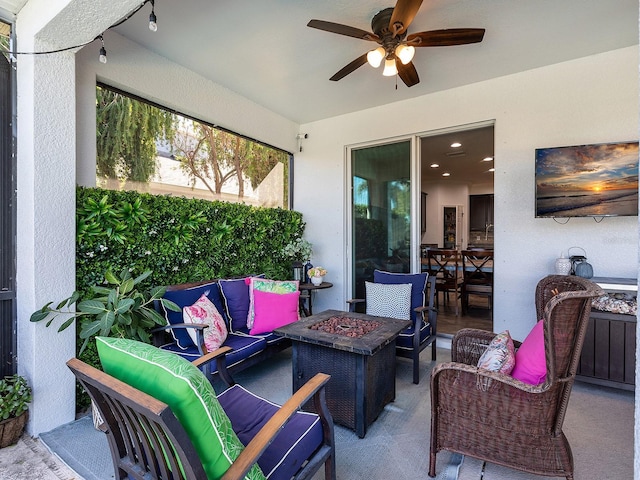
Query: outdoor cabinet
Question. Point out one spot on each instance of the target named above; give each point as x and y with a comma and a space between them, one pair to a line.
608, 353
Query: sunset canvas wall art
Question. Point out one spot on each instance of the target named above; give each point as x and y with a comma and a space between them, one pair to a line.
587, 180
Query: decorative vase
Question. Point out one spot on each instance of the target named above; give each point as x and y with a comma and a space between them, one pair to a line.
316, 280
563, 266
11, 429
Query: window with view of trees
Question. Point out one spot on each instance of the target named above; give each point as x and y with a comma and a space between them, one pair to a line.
144, 147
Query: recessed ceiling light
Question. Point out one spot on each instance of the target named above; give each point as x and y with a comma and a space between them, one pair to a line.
456, 145
446, 174
487, 159
492, 169
434, 165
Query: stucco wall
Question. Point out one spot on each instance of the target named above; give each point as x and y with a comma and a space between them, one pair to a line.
589, 100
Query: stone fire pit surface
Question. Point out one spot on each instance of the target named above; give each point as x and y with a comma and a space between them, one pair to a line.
347, 326
367, 344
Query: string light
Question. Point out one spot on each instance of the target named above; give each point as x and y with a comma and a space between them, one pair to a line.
153, 26
103, 52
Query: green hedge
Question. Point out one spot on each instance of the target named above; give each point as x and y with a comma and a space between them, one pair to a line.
180, 240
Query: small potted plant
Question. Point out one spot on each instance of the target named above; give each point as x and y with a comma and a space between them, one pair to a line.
15, 396
316, 275
299, 251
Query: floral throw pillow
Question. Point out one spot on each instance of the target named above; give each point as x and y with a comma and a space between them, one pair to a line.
266, 285
500, 355
204, 311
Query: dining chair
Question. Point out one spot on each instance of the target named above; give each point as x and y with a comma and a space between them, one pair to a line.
477, 275
445, 265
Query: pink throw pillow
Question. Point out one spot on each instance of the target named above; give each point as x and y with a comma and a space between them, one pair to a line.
531, 364
273, 310
204, 311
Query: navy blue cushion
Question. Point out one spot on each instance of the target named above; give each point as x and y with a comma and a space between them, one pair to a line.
237, 301
418, 283
184, 298
295, 443
243, 346
405, 339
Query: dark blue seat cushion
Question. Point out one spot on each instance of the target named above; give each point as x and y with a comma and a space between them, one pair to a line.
270, 337
184, 298
418, 283
405, 339
296, 442
243, 346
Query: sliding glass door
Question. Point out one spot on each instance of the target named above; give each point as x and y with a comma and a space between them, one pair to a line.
381, 220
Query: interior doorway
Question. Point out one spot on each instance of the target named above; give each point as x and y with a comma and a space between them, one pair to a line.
457, 183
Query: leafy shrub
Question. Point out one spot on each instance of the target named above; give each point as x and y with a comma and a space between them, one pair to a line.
15, 396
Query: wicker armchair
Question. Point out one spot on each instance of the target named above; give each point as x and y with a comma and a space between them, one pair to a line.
494, 417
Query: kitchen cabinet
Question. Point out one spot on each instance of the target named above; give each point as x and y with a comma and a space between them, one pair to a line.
452, 226
480, 212
608, 353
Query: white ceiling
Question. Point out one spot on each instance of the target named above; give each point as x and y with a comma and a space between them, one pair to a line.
264, 51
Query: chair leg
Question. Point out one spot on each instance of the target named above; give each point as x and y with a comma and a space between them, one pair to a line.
433, 351
416, 366
432, 465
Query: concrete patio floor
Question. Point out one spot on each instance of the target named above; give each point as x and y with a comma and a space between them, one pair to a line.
31, 459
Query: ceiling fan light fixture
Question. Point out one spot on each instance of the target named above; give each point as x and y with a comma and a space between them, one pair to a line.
405, 53
375, 57
390, 68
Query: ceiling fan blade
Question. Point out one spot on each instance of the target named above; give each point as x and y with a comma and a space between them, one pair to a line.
347, 69
403, 14
446, 37
343, 30
407, 73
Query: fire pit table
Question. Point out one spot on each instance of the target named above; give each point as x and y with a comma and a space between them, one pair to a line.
358, 351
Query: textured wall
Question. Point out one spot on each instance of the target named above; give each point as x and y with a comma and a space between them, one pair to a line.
589, 100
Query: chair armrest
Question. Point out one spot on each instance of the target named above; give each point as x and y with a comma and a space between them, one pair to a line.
471, 380
166, 328
219, 355
353, 302
469, 344
313, 388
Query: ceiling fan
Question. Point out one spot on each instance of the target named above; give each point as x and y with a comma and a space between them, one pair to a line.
396, 47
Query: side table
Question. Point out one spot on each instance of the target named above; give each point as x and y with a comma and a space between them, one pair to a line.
306, 296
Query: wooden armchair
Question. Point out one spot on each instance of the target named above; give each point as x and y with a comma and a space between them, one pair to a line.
147, 440
497, 418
